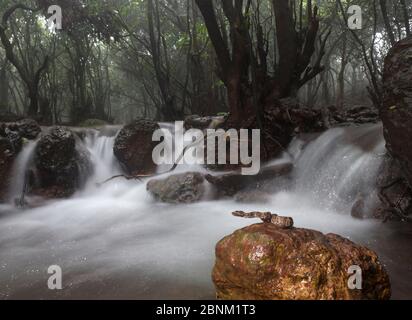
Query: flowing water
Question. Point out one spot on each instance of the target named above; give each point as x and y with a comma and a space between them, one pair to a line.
114, 241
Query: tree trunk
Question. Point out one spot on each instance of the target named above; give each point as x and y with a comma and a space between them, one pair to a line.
386, 21
31, 81
406, 17
34, 100
340, 95
253, 92
4, 88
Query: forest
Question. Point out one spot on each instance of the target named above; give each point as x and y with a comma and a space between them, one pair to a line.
116, 60
89, 91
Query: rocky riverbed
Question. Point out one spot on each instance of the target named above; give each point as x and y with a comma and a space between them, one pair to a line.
117, 240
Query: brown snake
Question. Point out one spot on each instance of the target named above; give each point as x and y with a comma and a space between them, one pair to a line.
267, 217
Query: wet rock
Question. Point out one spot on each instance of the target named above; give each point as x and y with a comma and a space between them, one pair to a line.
266, 262
396, 110
60, 167
307, 120
15, 139
134, 147
350, 115
358, 209
26, 128
394, 193
181, 188
227, 185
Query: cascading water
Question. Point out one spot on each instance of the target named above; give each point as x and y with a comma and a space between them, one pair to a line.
17, 189
104, 162
116, 242
340, 166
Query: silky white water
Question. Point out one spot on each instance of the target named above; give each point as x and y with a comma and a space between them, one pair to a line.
115, 241
19, 170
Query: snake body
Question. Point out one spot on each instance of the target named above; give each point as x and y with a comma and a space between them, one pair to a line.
267, 217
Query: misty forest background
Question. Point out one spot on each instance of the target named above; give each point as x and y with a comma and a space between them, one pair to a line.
116, 60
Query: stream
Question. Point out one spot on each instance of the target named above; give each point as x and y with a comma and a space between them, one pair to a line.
116, 242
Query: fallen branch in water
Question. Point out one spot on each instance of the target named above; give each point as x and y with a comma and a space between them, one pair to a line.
267, 217
120, 176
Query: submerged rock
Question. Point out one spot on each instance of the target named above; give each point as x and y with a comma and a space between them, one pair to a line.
181, 188
267, 262
396, 111
358, 210
252, 196
134, 147
60, 166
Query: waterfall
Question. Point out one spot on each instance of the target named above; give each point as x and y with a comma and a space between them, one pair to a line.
105, 164
340, 166
117, 242
19, 171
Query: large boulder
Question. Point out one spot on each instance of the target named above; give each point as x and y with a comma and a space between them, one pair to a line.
181, 188
265, 261
396, 110
61, 167
134, 147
